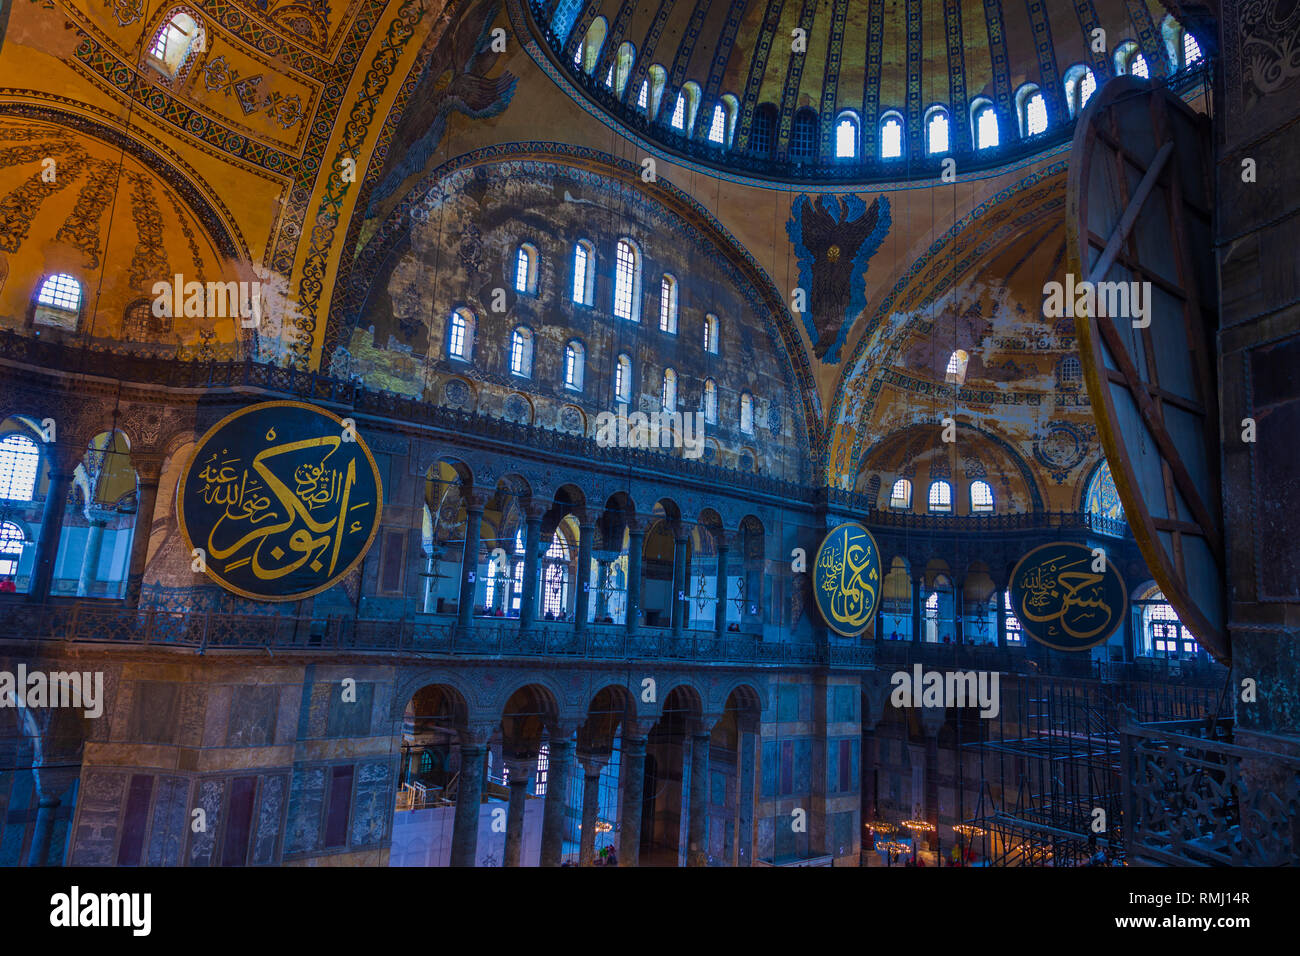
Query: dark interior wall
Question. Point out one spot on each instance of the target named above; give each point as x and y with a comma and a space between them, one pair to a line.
1258, 185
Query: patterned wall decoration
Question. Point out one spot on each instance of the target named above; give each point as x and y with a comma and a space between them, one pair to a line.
1061, 449
1048, 73
834, 240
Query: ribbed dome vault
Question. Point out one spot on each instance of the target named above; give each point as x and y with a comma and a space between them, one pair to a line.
767, 88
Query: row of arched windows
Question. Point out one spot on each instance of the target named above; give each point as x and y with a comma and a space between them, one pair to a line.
1031, 106
460, 332
627, 288
939, 498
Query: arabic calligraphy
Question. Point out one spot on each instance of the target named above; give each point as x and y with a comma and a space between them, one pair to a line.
1062, 601
280, 519
846, 579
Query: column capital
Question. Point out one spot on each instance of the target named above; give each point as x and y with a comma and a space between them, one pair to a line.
593, 763
562, 731
148, 467
476, 735
474, 501
534, 511
521, 768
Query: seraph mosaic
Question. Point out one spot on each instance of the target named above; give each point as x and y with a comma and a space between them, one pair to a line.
834, 239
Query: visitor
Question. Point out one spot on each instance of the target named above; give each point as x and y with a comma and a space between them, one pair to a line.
7, 585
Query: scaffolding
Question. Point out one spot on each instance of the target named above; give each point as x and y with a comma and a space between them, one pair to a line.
1050, 786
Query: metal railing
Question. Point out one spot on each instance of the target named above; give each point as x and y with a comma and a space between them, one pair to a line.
426, 634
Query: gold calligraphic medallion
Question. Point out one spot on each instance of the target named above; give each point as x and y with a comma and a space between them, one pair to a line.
282, 499
1066, 597
847, 579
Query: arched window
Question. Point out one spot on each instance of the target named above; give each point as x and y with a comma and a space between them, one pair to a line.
669, 392
803, 135
555, 578
11, 548
521, 352
679, 111
846, 135
623, 379
1102, 502
762, 130
940, 496
1014, 632
1033, 110
1069, 371
984, 119
652, 90
1163, 635
747, 413
178, 38
1191, 50
685, 107
623, 67
718, 125
627, 281
589, 53
730, 109
574, 360
900, 496
711, 334
891, 136
139, 324
460, 334
526, 269
1080, 84
981, 496
20, 460
668, 305
955, 374
710, 401
1129, 60
59, 302
584, 272
936, 131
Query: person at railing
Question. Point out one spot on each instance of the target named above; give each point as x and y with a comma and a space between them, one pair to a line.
7, 585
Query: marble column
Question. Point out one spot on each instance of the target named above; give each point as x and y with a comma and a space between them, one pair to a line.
932, 786
582, 594
532, 544
697, 842
602, 587
90, 557
635, 542
38, 853
1002, 618
47, 543
469, 561
520, 776
917, 608
469, 797
592, 765
632, 779
557, 786
679, 584
720, 609
146, 496
745, 799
